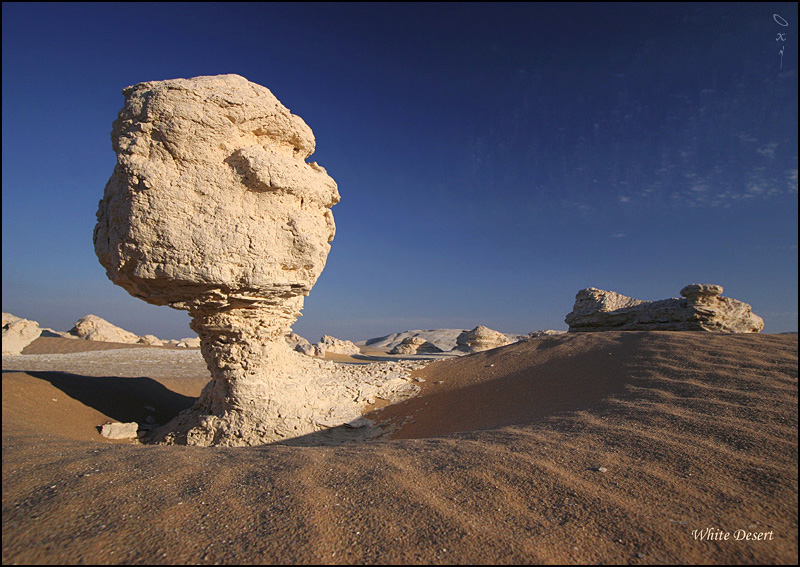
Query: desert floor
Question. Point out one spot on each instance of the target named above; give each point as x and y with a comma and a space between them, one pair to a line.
616, 447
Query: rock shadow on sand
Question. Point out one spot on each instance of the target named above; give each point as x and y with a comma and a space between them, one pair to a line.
119, 398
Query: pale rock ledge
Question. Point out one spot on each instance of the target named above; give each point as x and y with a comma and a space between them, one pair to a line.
702, 309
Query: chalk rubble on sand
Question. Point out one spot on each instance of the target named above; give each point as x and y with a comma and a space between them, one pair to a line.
701, 309
18, 333
120, 430
212, 208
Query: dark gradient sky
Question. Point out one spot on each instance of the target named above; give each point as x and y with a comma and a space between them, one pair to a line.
493, 159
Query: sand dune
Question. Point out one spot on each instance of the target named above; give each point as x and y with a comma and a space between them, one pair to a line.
583, 448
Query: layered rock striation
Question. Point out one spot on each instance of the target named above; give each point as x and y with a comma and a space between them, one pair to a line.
212, 208
416, 345
479, 339
702, 309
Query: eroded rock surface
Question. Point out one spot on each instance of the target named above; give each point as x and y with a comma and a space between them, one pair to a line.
479, 339
702, 309
212, 208
18, 333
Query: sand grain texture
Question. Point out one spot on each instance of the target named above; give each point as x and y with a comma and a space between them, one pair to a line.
497, 462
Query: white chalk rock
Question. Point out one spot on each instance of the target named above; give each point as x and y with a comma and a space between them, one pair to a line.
18, 333
212, 208
119, 430
702, 309
415, 345
151, 340
479, 339
338, 346
211, 204
94, 328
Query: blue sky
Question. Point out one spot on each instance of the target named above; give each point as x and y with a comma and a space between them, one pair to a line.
493, 159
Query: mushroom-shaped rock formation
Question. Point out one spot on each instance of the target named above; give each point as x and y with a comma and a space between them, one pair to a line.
703, 309
212, 208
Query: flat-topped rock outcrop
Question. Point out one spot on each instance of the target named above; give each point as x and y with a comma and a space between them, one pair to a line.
702, 308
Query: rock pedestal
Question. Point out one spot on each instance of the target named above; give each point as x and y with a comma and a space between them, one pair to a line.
212, 208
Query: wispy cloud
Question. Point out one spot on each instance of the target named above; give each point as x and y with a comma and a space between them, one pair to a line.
768, 150
792, 180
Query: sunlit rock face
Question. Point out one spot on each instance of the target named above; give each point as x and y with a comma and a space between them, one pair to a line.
212, 208
211, 205
18, 333
479, 339
702, 309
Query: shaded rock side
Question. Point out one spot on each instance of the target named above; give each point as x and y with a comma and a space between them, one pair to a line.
702, 308
18, 333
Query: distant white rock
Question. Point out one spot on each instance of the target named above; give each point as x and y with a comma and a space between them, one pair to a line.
189, 343
702, 308
444, 339
94, 328
151, 340
479, 339
327, 344
18, 333
416, 345
338, 346
293, 339
544, 333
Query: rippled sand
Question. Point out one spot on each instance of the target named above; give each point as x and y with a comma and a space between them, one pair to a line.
581, 448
